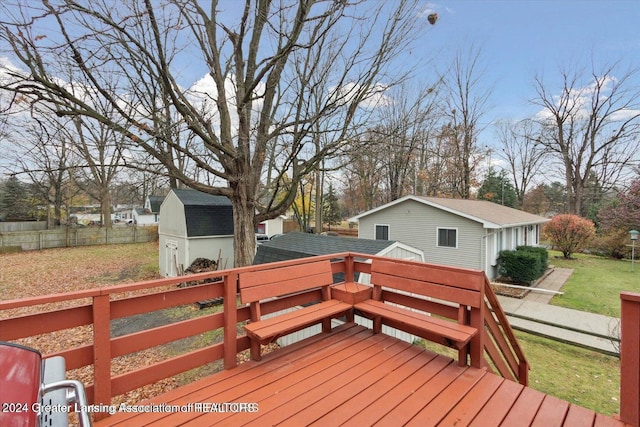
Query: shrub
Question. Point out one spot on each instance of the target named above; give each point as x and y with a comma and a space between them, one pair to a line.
569, 233
541, 252
612, 244
520, 266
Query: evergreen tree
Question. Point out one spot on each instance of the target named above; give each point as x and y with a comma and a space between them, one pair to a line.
14, 204
497, 188
332, 215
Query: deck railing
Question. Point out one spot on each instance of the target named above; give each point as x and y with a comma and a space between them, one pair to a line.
629, 351
100, 306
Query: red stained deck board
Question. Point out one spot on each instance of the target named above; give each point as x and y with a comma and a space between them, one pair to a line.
294, 392
551, 413
397, 395
365, 398
284, 356
439, 407
466, 410
422, 396
603, 421
361, 385
579, 416
497, 408
525, 408
325, 362
353, 377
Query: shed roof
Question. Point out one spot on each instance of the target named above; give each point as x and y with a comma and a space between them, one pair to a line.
205, 214
300, 245
190, 197
491, 215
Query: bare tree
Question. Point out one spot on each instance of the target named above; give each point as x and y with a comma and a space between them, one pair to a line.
100, 149
464, 103
591, 126
42, 149
117, 52
404, 124
363, 179
524, 156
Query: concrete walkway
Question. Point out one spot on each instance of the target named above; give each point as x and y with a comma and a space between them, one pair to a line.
533, 314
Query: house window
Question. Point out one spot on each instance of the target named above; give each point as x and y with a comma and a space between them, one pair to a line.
382, 232
448, 237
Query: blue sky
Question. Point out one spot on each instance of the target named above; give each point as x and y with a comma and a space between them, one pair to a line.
519, 39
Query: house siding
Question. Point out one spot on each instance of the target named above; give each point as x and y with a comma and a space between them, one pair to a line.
416, 224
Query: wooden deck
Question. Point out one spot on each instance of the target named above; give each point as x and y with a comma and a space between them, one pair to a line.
351, 376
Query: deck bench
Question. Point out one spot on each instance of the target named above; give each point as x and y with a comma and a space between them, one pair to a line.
449, 293
263, 286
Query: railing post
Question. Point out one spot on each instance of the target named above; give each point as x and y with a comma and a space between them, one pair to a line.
629, 358
230, 321
101, 350
349, 268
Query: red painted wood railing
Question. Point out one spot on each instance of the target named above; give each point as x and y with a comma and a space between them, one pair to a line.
114, 302
629, 352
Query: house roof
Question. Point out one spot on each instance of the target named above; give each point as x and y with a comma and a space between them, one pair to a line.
491, 215
143, 211
300, 245
155, 202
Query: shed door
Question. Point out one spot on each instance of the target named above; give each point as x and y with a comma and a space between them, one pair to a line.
171, 260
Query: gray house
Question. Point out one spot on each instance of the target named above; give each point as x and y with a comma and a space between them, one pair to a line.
194, 225
461, 233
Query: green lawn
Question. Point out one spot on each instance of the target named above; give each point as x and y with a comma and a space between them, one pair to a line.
574, 374
596, 283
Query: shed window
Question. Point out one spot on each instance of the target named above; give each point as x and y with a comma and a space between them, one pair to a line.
382, 232
448, 237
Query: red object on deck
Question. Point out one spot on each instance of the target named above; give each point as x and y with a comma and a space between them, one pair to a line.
20, 376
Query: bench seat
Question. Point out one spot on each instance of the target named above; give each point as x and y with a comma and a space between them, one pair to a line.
304, 284
266, 331
441, 331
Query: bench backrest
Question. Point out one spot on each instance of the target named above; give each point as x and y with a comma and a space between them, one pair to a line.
257, 285
449, 284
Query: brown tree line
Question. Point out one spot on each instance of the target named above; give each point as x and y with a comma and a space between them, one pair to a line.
583, 143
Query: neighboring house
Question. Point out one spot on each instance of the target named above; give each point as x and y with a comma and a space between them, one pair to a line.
150, 213
457, 232
153, 203
271, 227
300, 245
122, 215
194, 225
143, 216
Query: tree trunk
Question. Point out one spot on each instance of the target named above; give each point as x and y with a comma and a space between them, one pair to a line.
244, 237
105, 206
319, 191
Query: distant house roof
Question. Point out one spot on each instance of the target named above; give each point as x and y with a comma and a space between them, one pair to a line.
206, 214
143, 211
300, 245
155, 202
491, 215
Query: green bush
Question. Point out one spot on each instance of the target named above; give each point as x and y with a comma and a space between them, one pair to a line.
520, 266
541, 252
